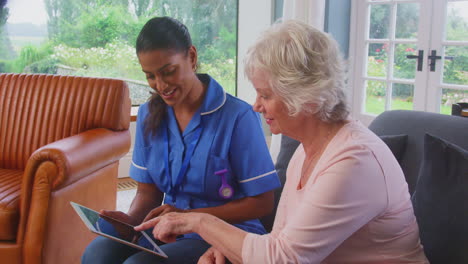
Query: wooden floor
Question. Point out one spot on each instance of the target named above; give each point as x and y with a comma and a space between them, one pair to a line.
126, 184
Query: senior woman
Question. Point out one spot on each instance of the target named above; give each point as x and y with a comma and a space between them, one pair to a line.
345, 199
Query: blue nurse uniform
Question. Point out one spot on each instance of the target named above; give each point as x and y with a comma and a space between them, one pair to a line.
231, 139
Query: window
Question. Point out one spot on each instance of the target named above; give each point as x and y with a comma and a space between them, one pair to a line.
409, 55
97, 38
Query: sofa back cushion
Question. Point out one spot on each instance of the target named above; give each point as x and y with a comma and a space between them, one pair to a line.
396, 143
415, 125
37, 109
439, 201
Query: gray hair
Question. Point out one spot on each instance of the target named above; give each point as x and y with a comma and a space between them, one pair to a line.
304, 68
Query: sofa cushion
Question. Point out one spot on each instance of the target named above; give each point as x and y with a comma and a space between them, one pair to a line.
416, 124
439, 201
396, 143
10, 187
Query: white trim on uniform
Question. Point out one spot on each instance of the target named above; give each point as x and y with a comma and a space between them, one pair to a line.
214, 110
258, 177
138, 167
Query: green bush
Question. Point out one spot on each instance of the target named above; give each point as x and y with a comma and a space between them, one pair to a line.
403, 68
29, 55
3, 66
47, 65
116, 60
223, 72
119, 60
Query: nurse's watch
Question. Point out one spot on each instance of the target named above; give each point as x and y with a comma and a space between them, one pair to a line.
225, 191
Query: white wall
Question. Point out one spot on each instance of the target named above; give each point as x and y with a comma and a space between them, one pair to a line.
254, 17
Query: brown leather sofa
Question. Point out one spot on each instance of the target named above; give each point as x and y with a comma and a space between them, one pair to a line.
61, 138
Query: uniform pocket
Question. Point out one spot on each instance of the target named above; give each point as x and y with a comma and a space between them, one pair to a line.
213, 181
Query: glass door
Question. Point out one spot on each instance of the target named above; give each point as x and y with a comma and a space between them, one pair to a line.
396, 56
448, 57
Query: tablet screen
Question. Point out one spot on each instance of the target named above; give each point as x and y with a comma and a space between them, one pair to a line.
117, 230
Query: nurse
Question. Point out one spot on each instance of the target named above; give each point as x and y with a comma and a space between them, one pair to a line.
197, 149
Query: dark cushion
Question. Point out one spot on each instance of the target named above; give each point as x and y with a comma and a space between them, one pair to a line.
396, 143
440, 201
416, 124
287, 148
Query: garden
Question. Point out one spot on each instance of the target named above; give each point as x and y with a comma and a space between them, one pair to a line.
401, 70
97, 38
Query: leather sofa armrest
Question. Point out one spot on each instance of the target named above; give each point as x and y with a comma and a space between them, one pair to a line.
80, 155
56, 166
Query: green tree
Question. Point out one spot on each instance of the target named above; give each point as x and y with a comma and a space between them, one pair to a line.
407, 20
6, 50
121, 3
456, 69
61, 14
204, 18
65, 14
457, 26
104, 25
97, 37
52, 10
4, 12
379, 21
141, 7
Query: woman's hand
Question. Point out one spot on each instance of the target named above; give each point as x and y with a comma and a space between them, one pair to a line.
161, 210
168, 226
212, 256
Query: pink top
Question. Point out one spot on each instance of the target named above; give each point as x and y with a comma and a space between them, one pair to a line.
354, 208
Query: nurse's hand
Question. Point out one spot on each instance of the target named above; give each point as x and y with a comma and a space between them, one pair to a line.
169, 226
212, 256
125, 218
118, 215
160, 211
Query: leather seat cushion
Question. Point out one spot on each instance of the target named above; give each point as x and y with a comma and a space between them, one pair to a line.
10, 188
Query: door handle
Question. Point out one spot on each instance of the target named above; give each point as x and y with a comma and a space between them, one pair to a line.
419, 57
433, 57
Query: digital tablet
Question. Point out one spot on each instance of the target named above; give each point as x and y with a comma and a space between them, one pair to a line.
118, 231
